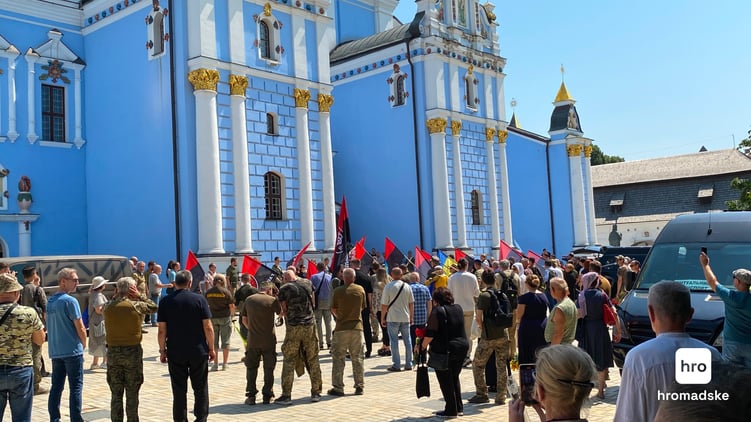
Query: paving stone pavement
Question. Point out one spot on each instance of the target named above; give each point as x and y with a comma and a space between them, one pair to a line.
389, 396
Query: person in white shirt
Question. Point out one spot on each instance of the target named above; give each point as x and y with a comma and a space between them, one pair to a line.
650, 366
397, 314
464, 287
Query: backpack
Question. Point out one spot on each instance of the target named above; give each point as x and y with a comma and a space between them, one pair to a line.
509, 289
500, 313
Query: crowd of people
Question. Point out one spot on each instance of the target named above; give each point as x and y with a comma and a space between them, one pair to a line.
441, 317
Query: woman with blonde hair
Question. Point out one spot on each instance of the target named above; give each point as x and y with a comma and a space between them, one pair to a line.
564, 376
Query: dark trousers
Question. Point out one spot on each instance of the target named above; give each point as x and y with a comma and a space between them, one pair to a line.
252, 362
384, 334
197, 369
450, 388
367, 330
491, 375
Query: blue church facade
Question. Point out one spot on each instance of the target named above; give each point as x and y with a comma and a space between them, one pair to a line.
230, 126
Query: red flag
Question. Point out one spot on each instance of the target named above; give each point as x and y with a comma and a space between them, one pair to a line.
422, 263
539, 261
393, 255
458, 254
505, 250
255, 268
293, 262
312, 269
192, 265
360, 248
342, 233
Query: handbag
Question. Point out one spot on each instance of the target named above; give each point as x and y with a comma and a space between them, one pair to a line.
608, 316
422, 383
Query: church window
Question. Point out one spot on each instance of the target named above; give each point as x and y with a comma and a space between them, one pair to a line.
271, 124
398, 93
470, 90
53, 113
268, 36
273, 188
155, 26
400, 97
264, 42
158, 29
476, 198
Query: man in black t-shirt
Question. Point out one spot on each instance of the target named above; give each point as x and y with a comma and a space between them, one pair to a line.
363, 280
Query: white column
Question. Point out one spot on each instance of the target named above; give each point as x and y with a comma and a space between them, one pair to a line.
236, 31
238, 84
441, 205
325, 42
577, 194
202, 33
302, 97
495, 227
508, 235
461, 216
299, 48
31, 59
24, 238
78, 139
12, 131
207, 151
327, 170
591, 227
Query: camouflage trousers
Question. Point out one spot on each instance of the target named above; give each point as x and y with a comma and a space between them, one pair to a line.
485, 348
301, 344
36, 355
124, 374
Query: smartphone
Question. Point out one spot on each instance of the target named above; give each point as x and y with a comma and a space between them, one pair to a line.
527, 381
704, 250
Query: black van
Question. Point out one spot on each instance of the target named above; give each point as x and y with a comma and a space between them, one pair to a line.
675, 256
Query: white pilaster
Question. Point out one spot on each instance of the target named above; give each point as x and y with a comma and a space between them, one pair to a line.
442, 224
236, 31
202, 33
208, 185
326, 41
435, 93
303, 164
501, 98
299, 47
487, 98
24, 238
456, 104
574, 151
508, 235
31, 59
591, 226
327, 170
243, 242
12, 131
461, 216
78, 139
495, 226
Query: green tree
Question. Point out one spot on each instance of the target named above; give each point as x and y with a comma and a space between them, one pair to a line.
598, 157
743, 186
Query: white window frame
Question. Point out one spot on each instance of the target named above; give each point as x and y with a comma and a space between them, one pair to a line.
156, 24
471, 99
393, 80
275, 26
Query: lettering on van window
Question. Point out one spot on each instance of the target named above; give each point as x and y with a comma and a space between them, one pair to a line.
695, 284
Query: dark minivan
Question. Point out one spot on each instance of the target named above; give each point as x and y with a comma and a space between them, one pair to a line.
675, 256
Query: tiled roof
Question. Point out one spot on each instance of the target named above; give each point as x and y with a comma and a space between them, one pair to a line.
399, 34
699, 164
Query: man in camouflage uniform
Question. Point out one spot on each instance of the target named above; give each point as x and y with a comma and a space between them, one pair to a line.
232, 275
301, 339
34, 297
21, 327
123, 317
140, 277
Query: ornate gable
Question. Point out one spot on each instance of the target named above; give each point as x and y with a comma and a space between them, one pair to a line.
55, 48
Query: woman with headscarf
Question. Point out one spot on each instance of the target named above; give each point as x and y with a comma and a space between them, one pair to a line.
519, 270
531, 313
595, 336
97, 333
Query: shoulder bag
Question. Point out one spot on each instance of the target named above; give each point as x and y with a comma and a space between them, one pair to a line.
7, 313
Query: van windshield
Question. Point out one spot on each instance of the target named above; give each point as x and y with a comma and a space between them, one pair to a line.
680, 262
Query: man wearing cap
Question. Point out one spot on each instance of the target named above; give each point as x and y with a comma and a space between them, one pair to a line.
736, 333
66, 335
20, 326
122, 317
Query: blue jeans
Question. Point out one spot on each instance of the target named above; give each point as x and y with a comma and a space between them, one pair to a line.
17, 387
394, 329
71, 367
155, 299
737, 353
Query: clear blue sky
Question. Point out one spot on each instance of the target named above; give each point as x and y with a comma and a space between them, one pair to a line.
651, 78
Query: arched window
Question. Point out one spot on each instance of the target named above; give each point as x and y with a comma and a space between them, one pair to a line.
273, 190
271, 127
158, 37
476, 207
468, 90
400, 97
264, 42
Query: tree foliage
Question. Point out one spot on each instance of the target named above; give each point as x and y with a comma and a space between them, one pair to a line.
743, 186
598, 157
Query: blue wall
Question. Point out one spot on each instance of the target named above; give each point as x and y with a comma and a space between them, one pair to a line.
354, 20
562, 211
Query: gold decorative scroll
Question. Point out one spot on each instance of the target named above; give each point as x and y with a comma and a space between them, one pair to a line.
325, 101
574, 150
456, 127
267, 9
588, 151
203, 79
502, 135
437, 125
238, 84
489, 134
302, 96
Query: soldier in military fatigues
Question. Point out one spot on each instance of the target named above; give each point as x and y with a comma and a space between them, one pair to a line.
301, 339
123, 317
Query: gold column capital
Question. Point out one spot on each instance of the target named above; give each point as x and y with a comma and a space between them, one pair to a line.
325, 101
437, 125
489, 134
502, 136
588, 151
574, 150
456, 127
238, 84
302, 96
203, 79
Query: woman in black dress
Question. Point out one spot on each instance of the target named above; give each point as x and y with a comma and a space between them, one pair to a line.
445, 334
531, 313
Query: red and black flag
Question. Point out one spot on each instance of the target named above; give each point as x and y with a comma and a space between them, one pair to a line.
312, 269
293, 262
458, 254
422, 263
255, 268
192, 265
359, 252
393, 255
507, 251
342, 239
